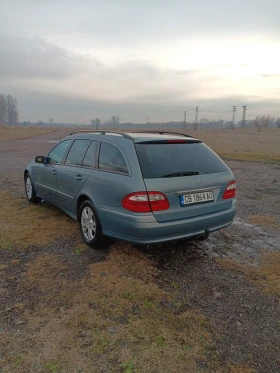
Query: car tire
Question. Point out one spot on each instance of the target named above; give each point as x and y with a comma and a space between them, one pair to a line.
29, 189
90, 227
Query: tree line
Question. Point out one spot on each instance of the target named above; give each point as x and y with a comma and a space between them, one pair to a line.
258, 122
114, 122
9, 115
8, 110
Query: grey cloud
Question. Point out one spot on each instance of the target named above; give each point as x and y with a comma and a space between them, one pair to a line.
36, 107
33, 64
33, 58
123, 22
52, 81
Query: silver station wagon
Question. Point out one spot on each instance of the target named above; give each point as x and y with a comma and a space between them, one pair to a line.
143, 187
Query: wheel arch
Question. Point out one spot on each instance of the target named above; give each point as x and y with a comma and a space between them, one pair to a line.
82, 198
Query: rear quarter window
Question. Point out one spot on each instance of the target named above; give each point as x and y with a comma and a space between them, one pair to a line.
111, 159
157, 160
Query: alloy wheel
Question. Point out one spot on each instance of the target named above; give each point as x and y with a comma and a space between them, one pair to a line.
28, 187
88, 223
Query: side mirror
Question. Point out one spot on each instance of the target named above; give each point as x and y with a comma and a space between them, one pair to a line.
40, 159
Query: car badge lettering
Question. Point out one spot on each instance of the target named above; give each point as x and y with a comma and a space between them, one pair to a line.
199, 181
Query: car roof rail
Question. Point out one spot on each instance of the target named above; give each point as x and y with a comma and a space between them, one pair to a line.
164, 133
103, 132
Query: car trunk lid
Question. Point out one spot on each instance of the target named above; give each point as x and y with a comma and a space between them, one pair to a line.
191, 175
177, 189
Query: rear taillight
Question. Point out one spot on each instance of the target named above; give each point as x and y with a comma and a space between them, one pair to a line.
230, 191
145, 202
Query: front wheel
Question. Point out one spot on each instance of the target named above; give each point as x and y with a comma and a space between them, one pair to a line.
90, 226
29, 189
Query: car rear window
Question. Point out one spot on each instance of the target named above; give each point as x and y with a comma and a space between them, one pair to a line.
159, 160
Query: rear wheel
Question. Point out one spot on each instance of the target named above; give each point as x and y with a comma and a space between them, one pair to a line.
29, 189
90, 226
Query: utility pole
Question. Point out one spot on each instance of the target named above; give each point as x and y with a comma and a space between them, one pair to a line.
196, 118
185, 120
234, 108
244, 107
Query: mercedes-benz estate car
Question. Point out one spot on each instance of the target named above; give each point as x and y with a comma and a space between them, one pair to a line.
142, 187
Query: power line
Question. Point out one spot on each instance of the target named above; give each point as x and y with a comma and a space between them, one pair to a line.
185, 119
234, 108
196, 118
244, 107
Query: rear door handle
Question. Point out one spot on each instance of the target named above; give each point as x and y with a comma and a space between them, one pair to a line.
78, 177
53, 172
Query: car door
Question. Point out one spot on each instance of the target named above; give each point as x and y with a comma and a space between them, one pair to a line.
46, 177
72, 175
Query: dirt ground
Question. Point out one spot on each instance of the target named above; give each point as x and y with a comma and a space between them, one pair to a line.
211, 306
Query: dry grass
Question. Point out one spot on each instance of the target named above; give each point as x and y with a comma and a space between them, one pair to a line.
239, 144
266, 275
18, 132
243, 144
44, 272
115, 320
23, 224
235, 369
267, 221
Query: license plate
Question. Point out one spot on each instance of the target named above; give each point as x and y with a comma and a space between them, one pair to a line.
190, 198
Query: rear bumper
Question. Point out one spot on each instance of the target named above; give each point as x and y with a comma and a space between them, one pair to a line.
144, 229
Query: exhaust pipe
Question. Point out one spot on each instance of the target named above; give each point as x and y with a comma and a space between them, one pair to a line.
204, 236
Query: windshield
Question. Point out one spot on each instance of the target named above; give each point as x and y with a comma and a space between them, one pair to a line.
175, 160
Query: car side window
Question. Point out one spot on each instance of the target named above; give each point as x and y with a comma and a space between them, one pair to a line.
77, 152
57, 154
89, 158
111, 159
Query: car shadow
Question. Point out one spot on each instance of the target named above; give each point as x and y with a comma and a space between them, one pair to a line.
167, 255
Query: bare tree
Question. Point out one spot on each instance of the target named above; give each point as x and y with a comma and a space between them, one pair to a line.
277, 122
3, 109
51, 121
96, 123
115, 120
204, 120
12, 110
262, 122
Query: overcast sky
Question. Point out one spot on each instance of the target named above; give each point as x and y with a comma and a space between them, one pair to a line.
77, 60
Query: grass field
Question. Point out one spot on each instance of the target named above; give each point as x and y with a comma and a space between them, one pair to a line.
18, 132
67, 309
116, 315
115, 318
243, 144
239, 144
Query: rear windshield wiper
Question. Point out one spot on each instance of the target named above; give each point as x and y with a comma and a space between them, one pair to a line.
182, 173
